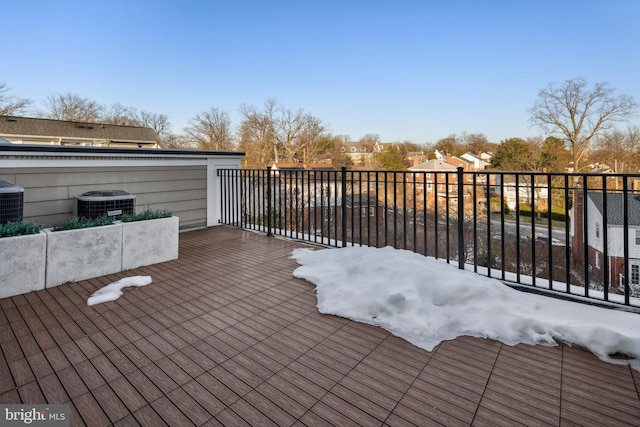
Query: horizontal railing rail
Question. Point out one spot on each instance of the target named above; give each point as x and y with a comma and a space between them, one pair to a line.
576, 234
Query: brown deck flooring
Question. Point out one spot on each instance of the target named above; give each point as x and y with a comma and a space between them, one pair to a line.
226, 336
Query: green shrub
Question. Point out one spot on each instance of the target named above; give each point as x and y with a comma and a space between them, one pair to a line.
146, 215
11, 229
75, 223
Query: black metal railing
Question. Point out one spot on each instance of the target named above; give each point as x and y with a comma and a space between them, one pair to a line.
543, 230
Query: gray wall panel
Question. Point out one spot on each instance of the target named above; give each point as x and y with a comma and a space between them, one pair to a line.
49, 191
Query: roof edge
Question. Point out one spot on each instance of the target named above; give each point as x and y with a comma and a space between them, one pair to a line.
105, 150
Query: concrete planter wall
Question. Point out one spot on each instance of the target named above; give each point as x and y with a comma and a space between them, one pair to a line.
74, 255
22, 264
149, 242
51, 258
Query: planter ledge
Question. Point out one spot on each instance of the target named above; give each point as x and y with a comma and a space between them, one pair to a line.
149, 242
22, 264
74, 255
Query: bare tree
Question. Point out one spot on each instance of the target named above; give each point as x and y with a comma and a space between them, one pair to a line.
256, 138
72, 107
172, 140
474, 142
450, 145
579, 113
369, 142
10, 105
158, 122
619, 150
211, 130
277, 134
259, 132
118, 114
300, 133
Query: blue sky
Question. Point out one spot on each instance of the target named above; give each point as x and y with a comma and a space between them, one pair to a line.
406, 70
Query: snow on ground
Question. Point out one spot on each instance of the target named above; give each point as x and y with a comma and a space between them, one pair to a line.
113, 291
426, 301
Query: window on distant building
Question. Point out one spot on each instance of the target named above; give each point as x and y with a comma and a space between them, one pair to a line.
372, 211
353, 149
428, 175
597, 230
429, 187
363, 212
598, 260
637, 237
342, 149
635, 274
363, 149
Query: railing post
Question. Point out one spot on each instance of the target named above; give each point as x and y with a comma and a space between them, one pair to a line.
269, 201
461, 248
625, 239
343, 178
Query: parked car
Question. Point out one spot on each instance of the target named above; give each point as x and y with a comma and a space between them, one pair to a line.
544, 240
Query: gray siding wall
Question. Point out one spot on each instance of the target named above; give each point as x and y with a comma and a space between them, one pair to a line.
49, 192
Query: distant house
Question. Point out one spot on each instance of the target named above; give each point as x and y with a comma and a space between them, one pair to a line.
361, 153
437, 178
486, 157
469, 161
521, 192
478, 161
414, 158
439, 155
434, 165
276, 168
615, 235
26, 130
460, 162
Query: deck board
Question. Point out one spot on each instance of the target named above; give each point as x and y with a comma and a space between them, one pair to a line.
225, 335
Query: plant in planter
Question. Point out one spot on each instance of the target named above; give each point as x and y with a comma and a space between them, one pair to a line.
146, 215
75, 223
148, 238
22, 258
12, 229
80, 249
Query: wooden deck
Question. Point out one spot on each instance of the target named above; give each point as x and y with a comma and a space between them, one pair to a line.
226, 336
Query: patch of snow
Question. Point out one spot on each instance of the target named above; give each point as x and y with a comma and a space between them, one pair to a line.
113, 291
426, 301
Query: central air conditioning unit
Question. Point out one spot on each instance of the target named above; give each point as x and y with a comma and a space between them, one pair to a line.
11, 202
110, 203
